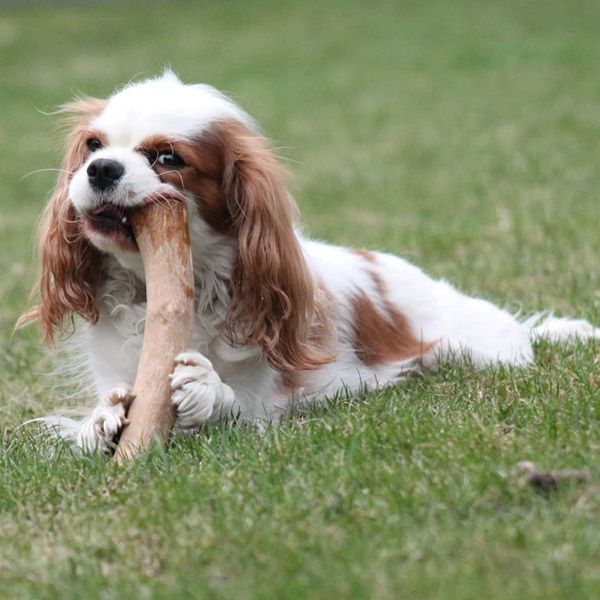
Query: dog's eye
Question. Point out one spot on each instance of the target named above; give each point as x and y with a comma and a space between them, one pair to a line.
168, 158
94, 144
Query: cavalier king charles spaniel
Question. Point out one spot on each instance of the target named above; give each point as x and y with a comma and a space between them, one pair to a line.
279, 319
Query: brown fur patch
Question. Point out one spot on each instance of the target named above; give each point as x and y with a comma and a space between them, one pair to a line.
380, 339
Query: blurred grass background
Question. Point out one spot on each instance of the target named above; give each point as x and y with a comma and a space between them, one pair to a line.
463, 136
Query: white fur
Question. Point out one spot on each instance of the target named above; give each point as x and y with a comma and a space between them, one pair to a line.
166, 107
215, 379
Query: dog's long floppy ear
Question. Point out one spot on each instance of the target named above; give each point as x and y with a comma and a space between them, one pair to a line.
69, 267
272, 290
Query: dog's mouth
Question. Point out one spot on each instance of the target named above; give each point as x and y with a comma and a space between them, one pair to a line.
111, 222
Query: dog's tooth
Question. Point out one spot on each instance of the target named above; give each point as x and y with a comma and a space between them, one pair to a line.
124, 220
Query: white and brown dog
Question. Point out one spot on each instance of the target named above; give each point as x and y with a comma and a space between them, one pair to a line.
279, 318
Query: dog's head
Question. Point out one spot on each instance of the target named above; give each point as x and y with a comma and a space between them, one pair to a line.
151, 139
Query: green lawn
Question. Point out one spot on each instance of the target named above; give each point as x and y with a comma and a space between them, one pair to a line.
463, 135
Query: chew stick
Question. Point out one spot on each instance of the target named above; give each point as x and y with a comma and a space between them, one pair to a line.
161, 232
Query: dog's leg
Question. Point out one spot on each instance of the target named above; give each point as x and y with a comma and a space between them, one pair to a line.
198, 393
99, 429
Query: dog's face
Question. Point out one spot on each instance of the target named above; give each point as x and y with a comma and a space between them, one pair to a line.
149, 139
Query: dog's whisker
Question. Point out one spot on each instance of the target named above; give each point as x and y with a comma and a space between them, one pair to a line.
49, 170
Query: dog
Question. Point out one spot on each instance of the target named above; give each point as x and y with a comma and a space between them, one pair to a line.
280, 320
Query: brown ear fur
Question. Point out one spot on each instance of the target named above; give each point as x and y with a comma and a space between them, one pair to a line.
273, 296
69, 269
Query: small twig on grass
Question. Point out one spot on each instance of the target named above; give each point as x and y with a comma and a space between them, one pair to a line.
546, 481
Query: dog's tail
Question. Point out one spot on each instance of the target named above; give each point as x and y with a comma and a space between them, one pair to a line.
545, 326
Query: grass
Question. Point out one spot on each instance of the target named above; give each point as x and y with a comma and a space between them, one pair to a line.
461, 135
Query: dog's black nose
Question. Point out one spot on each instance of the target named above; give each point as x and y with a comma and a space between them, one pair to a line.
104, 172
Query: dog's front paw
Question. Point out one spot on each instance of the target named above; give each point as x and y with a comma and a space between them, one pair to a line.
196, 390
99, 430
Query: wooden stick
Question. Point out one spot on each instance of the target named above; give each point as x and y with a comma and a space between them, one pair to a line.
161, 232
544, 481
